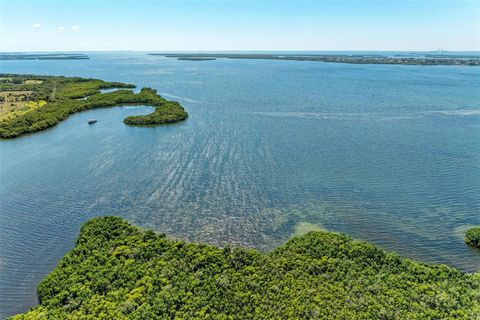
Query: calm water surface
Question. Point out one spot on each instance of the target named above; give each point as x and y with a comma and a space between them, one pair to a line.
389, 154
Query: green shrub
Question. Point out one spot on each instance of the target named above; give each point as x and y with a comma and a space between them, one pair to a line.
472, 237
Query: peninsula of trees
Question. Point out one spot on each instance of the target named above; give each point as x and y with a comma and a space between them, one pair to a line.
119, 271
30, 103
426, 59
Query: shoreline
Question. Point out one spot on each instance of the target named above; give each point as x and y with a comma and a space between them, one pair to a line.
426, 60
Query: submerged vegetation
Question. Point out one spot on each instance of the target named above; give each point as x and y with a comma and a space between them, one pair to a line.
472, 237
118, 271
31, 103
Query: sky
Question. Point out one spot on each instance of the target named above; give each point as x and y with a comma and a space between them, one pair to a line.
196, 25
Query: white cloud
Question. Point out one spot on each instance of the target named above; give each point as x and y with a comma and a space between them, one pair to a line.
61, 28
37, 25
75, 27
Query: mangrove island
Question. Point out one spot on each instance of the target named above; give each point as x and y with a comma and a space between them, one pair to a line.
119, 271
30, 103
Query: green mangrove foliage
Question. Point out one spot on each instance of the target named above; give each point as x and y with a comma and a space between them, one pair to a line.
472, 237
118, 271
63, 96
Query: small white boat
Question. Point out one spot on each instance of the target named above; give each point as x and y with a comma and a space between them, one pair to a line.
92, 121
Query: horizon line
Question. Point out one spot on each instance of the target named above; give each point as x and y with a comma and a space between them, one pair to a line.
242, 50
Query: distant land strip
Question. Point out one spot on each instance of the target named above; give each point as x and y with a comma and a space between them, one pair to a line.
427, 59
43, 56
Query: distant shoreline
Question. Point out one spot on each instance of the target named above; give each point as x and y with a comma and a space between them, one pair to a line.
44, 56
197, 58
429, 59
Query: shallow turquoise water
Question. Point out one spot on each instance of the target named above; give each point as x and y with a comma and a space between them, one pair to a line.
388, 154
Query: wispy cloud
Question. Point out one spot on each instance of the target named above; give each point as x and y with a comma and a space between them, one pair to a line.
37, 25
61, 28
75, 27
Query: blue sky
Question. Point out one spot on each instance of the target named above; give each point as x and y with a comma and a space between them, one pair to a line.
239, 25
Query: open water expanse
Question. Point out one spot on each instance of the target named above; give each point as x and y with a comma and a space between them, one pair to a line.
385, 153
